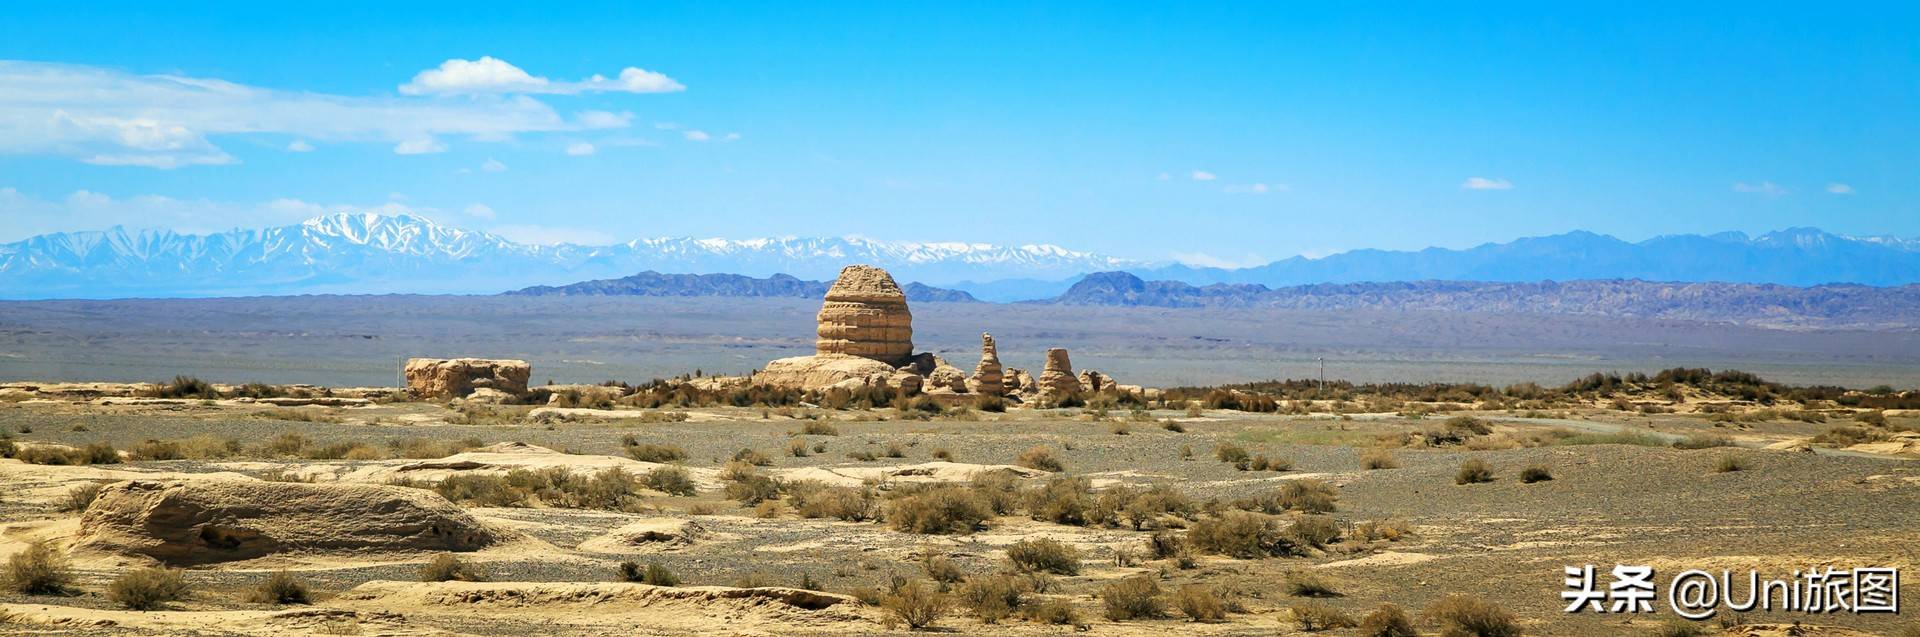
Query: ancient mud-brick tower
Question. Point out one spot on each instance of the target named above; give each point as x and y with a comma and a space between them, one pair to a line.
987, 377
866, 315
1057, 378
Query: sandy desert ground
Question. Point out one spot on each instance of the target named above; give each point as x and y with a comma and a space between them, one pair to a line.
1404, 532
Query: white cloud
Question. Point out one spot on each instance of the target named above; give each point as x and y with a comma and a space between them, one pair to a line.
581, 148
108, 117
550, 235
300, 146
1256, 189
422, 146
493, 166
1163, 177
493, 75
604, 119
1205, 260
1837, 188
1765, 188
1483, 183
480, 210
731, 137
27, 215
697, 135
1201, 175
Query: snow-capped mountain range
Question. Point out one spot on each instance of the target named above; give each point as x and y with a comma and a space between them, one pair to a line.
363, 253
359, 253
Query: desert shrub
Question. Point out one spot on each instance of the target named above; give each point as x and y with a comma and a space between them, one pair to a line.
1468, 425
748, 484
1263, 463
862, 455
656, 453
1173, 426
1847, 435
447, 567
1233, 454
1388, 621
818, 428
994, 404
1390, 530
1535, 473
1061, 500
1379, 459
184, 387
1730, 463
670, 480
1703, 441
1314, 530
1201, 603
797, 448
158, 450
1467, 616
147, 588
208, 446
479, 490
994, 597
653, 573
1166, 544
813, 499
1239, 534
999, 489
1637, 438
50, 455
942, 509
1043, 555
1872, 417
894, 450
280, 588
286, 444
39, 569
1051, 611
100, 453
1315, 617
1139, 507
1473, 471
80, 496
1041, 458
1308, 496
1136, 597
916, 604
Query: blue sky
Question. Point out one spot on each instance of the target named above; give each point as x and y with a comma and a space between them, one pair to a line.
1221, 134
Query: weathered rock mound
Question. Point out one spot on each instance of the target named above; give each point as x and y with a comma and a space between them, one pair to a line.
206, 521
987, 376
819, 372
457, 377
1057, 378
866, 315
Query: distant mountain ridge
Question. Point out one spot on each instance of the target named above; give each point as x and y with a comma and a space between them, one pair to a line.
779, 285
354, 253
1763, 305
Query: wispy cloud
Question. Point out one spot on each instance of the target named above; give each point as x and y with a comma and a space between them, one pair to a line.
421, 146
1254, 188
1485, 183
103, 116
579, 149
27, 215
493, 75
1837, 188
1205, 260
1201, 175
479, 210
493, 166
1765, 188
300, 146
696, 136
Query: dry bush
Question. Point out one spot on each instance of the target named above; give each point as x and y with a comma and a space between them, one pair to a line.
148, 588
1730, 463
1309, 584
1316, 617
1381, 458
80, 496
1308, 496
1043, 555
1057, 612
1467, 616
1535, 473
813, 499
894, 450
1165, 545
999, 489
994, 404
1042, 458
670, 480
941, 509
1240, 534
768, 509
994, 597
1263, 463
1473, 471
818, 428
941, 569
1136, 597
1390, 530
653, 573
943, 454
916, 604
158, 450
752, 457
656, 453
446, 567
1173, 426
1874, 417
1388, 621
1703, 441
1201, 603
797, 448
1233, 454
39, 569
1468, 425
281, 588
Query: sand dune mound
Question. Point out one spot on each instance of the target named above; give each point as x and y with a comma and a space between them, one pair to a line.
924, 472
692, 606
496, 459
206, 521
